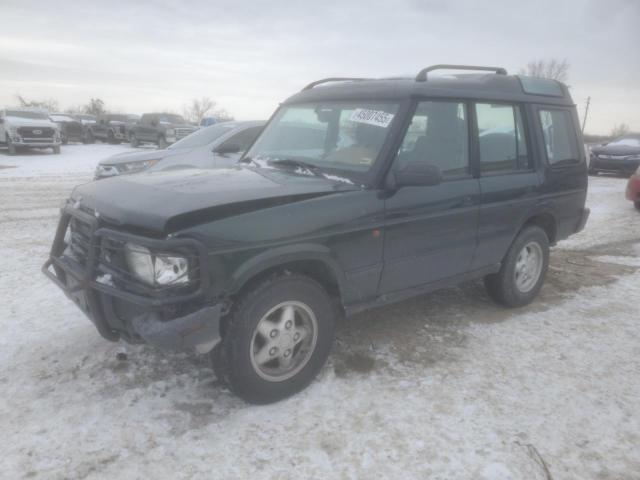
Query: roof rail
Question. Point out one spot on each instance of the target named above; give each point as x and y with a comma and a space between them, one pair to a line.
422, 75
333, 79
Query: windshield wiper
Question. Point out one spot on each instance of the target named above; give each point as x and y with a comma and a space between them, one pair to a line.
290, 162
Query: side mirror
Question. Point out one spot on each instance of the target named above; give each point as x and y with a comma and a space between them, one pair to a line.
227, 148
414, 174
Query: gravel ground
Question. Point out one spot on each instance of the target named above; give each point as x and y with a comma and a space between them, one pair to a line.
447, 385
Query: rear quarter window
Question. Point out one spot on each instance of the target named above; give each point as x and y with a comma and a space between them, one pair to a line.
561, 145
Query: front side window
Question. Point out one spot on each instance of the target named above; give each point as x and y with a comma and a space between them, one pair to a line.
438, 135
559, 137
346, 137
501, 139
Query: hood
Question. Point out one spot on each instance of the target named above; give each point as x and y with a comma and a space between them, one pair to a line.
616, 150
163, 202
30, 122
141, 156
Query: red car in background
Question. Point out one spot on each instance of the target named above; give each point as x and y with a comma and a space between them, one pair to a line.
633, 188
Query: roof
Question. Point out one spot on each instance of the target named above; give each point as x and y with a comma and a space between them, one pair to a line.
489, 86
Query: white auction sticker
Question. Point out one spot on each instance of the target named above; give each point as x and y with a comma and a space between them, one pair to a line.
371, 117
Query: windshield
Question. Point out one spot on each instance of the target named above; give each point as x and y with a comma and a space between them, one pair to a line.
170, 118
26, 114
339, 136
626, 141
61, 118
203, 137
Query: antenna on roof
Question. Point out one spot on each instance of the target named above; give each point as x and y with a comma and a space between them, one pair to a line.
422, 75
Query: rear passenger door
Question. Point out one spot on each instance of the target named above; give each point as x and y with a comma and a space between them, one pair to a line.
430, 231
509, 183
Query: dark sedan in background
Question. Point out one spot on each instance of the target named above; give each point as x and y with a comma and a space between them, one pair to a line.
71, 130
217, 146
621, 156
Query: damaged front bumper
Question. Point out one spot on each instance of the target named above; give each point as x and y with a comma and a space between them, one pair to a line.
124, 309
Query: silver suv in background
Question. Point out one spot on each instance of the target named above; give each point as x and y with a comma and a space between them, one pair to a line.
162, 129
27, 128
217, 146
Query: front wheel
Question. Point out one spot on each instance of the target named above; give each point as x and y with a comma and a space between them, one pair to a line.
277, 339
522, 273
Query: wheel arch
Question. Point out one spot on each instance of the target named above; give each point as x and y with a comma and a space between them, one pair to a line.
314, 261
543, 219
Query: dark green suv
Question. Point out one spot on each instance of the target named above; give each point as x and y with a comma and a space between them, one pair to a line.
359, 192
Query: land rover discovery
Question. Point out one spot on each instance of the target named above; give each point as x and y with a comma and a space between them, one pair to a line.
358, 193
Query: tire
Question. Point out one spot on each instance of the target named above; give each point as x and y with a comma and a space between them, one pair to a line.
512, 286
56, 149
133, 140
246, 358
162, 142
11, 147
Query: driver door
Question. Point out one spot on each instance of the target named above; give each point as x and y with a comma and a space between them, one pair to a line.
431, 231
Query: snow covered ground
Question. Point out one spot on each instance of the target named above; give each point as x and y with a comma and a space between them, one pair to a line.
447, 385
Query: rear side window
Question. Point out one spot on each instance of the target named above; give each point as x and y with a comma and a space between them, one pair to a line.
501, 139
559, 137
438, 135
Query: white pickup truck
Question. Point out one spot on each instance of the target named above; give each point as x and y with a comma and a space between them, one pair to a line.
24, 128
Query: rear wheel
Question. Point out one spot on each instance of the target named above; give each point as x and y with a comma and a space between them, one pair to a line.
523, 269
277, 339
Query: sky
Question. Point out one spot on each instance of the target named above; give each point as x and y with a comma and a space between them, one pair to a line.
249, 56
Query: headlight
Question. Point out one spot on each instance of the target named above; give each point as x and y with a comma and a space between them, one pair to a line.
156, 269
170, 132
130, 167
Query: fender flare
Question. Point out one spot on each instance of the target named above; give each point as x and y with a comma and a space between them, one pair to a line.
281, 256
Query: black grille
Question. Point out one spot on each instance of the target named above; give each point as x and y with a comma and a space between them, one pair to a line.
80, 239
35, 132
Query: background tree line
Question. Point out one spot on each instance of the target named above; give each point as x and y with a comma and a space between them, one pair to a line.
194, 111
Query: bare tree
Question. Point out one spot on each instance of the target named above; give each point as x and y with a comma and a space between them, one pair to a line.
94, 107
553, 68
49, 105
200, 108
221, 115
619, 130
